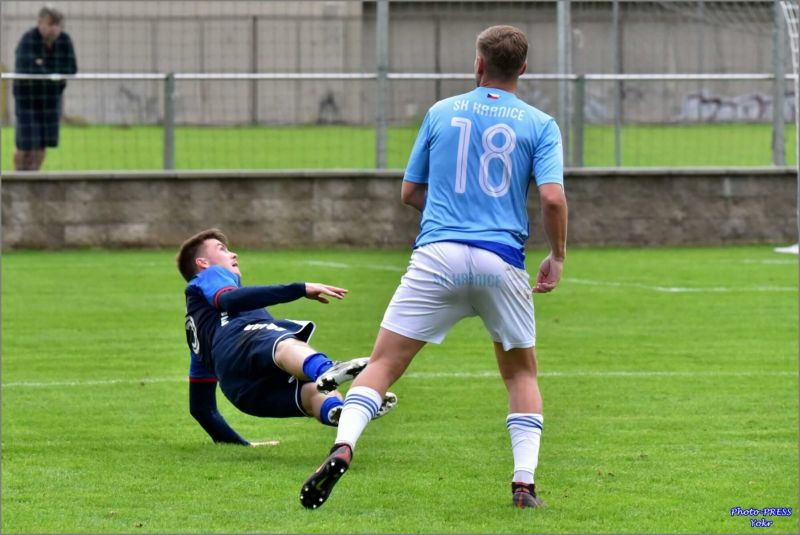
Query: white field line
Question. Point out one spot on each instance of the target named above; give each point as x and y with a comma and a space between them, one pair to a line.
491, 374
589, 282
342, 265
680, 289
780, 262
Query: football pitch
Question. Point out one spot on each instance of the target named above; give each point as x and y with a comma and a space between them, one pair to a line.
100, 147
670, 382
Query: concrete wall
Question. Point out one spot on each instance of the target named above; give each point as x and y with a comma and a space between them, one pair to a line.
344, 209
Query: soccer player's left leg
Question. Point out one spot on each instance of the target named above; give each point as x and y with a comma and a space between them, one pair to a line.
306, 363
524, 422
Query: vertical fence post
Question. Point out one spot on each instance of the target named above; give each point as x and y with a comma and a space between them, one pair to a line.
580, 98
382, 70
617, 48
254, 69
701, 49
169, 121
778, 87
437, 54
564, 69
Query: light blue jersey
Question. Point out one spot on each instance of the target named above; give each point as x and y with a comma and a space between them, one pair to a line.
478, 153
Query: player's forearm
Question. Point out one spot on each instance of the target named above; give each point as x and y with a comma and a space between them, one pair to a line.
413, 194
554, 216
203, 407
255, 297
417, 200
219, 430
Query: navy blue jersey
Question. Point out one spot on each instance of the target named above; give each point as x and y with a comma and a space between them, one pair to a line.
219, 311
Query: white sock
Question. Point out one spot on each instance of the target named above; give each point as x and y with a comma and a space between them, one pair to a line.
360, 406
526, 433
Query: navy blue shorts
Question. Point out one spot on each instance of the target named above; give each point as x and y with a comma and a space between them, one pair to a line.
36, 128
252, 381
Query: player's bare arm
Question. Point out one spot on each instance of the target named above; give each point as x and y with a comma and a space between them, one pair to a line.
318, 292
554, 215
413, 194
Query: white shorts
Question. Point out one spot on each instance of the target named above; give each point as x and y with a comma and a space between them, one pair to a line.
448, 281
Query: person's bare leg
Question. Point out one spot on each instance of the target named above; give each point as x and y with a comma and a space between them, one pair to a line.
519, 373
37, 159
389, 360
390, 357
23, 160
524, 422
313, 400
290, 354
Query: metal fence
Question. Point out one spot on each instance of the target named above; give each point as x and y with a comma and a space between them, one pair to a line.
167, 131
344, 84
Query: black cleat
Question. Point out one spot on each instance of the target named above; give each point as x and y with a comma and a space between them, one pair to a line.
319, 485
524, 496
340, 373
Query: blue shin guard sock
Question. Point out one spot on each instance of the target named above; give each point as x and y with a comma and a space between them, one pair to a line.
316, 364
327, 407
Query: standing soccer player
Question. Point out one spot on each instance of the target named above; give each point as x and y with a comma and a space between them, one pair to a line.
469, 174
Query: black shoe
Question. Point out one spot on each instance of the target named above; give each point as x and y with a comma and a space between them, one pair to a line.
319, 485
524, 496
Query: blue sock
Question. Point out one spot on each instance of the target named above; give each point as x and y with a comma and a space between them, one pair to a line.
329, 403
315, 365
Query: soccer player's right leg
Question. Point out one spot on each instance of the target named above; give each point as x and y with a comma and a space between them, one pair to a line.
390, 358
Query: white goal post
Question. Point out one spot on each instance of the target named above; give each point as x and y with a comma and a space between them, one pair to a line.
790, 13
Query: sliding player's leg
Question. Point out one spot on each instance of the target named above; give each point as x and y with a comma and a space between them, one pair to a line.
306, 363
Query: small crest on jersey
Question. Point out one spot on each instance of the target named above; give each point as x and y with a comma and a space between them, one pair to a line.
493, 96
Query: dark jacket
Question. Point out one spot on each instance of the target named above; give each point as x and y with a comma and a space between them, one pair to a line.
33, 57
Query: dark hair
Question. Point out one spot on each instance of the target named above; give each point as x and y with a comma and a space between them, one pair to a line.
51, 13
187, 254
504, 49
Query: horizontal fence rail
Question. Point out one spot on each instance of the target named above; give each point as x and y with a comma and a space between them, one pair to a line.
176, 104
391, 76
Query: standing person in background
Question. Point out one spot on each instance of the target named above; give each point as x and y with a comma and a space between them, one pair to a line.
472, 164
45, 49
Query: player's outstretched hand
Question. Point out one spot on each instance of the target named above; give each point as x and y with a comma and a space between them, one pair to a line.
549, 275
315, 290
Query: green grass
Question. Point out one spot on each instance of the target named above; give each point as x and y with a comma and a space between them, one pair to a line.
341, 147
663, 409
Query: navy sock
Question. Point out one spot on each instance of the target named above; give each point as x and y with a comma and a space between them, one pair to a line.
315, 365
329, 403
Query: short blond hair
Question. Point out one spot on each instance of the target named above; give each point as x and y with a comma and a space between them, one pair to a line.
504, 49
